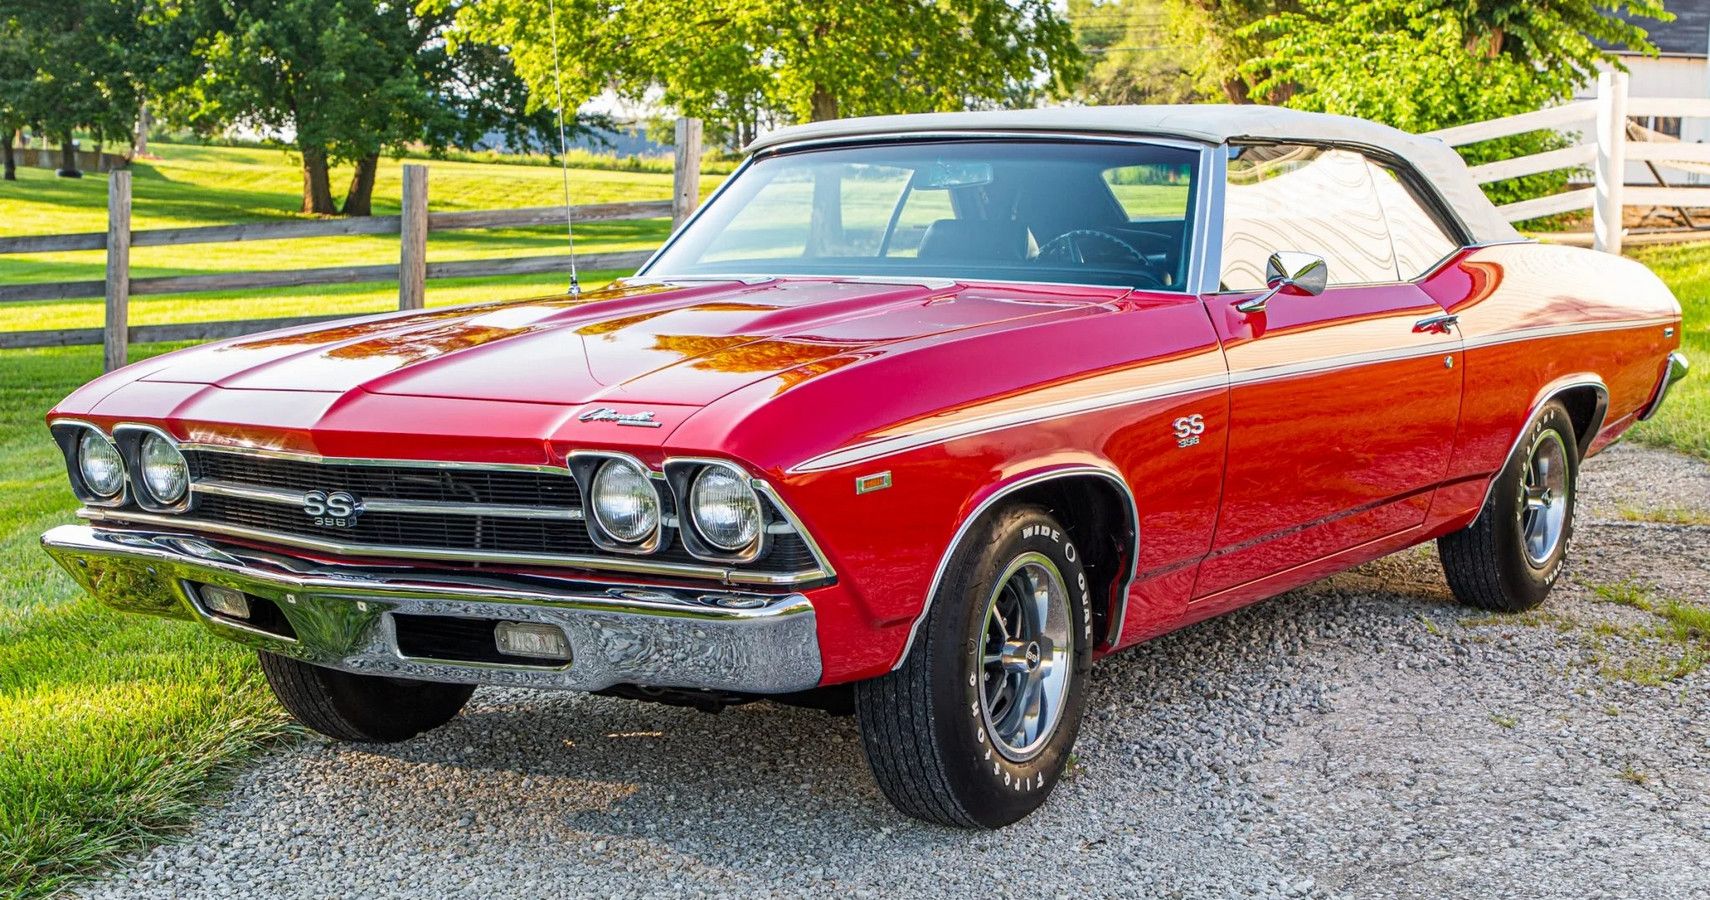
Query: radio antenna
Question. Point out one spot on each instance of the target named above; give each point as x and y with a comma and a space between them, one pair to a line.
563, 150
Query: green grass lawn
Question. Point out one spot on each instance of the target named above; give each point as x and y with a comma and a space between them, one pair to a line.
112, 726
1684, 423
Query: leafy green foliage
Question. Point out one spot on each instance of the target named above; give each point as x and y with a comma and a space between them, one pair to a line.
743, 62
348, 80
77, 64
1133, 56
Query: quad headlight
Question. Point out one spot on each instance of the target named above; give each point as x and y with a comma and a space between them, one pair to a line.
100, 465
164, 472
624, 503
725, 509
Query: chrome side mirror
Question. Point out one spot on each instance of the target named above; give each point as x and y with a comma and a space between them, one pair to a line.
1293, 272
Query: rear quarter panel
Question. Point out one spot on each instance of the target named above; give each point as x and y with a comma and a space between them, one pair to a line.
1534, 317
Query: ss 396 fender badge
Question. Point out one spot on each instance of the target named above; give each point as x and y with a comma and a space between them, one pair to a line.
1188, 429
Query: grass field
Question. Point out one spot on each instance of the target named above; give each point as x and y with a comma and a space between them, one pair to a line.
115, 726
1685, 421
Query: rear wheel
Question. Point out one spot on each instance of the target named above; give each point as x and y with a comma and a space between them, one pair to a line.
361, 708
976, 726
1509, 558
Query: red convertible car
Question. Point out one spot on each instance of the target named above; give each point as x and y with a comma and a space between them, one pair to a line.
916, 418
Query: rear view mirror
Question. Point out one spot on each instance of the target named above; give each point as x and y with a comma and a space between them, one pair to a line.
1293, 272
943, 175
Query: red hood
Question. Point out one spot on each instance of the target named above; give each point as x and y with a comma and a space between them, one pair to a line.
682, 344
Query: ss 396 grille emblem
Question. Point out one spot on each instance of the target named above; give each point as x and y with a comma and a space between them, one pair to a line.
338, 509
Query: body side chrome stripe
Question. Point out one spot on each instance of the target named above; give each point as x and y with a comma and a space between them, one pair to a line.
1550, 331
871, 450
944, 433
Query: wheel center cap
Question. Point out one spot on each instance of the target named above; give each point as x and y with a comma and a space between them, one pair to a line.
1033, 656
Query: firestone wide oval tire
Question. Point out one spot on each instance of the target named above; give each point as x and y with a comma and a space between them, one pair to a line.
1490, 564
928, 728
362, 708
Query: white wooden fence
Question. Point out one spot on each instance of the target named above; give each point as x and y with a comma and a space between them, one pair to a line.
1605, 148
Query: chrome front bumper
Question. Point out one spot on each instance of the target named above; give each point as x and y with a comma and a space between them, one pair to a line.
1674, 369
343, 617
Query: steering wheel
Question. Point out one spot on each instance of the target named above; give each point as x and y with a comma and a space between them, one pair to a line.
1073, 246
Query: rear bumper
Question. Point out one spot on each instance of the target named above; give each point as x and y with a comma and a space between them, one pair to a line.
343, 617
1673, 370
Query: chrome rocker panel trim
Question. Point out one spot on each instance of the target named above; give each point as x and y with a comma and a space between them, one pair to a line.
619, 634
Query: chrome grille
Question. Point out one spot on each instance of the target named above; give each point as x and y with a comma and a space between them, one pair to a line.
452, 514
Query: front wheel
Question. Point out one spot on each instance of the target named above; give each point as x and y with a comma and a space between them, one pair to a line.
1509, 558
361, 708
976, 726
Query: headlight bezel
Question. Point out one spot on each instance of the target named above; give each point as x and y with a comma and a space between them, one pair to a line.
682, 473
748, 512
586, 466
129, 438
69, 435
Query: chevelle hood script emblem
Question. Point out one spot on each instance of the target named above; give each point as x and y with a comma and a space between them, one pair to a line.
607, 414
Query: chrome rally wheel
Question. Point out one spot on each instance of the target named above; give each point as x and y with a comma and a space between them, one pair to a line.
974, 728
1509, 558
1543, 498
1025, 657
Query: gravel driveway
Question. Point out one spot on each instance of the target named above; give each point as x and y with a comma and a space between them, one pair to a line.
1360, 737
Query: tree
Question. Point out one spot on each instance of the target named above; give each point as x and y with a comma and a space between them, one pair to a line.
1442, 62
1133, 53
738, 61
77, 64
344, 81
16, 74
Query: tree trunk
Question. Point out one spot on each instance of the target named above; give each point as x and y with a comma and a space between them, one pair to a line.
359, 200
68, 158
139, 148
317, 189
11, 164
1236, 90
824, 104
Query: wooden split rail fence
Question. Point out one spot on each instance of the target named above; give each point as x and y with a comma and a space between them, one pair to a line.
411, 272
1605, 149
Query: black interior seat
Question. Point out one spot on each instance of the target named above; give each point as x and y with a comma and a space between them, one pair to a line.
974, 239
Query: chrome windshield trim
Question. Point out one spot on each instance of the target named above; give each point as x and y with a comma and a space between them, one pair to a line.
723, 574
427, 507
1203, 148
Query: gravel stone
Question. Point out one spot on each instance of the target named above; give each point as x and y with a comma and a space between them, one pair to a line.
1360, 737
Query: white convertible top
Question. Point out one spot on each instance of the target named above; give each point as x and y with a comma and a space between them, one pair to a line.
1434, 160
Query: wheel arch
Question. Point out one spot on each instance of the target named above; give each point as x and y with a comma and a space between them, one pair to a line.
1587, 400
1088, 499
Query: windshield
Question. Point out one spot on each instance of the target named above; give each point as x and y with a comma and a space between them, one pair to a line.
1047, 211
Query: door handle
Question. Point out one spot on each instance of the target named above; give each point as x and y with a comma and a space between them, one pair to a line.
1436, 324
